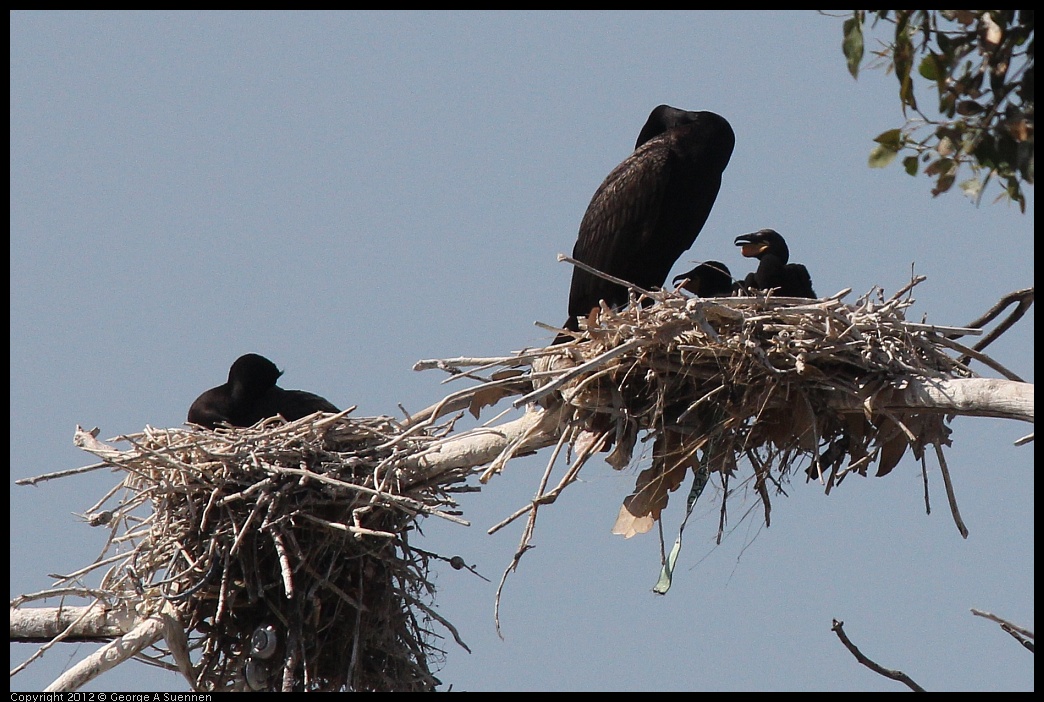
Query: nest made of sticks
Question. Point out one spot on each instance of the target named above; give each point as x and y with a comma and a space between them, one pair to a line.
283, 550
788, 383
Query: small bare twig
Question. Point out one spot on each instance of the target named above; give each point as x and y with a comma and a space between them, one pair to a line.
1023, 299
898, 675
951, 498
1021, 634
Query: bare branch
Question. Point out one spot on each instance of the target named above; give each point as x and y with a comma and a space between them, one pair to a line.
111, 655
1024, 298
972, 397
82, 623
969, 397
838, 628
1021, 634
951, 497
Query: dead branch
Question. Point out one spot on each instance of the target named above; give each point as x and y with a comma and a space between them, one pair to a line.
971, 397
838, 628
90, 623
1021, 634
110, 655
1023, 299
777, 380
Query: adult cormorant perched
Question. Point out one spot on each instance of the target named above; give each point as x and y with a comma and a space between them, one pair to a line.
251, 394
770, 248
709, 279
650, 208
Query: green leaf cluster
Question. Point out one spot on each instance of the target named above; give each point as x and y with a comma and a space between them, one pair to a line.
980, 63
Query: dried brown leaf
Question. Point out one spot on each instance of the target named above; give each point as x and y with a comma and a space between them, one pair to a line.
722, 460
627, 524
793, 425
859, 433
488, 396
892, 451
620, 457
802, 425
672, 458
585, 441
773, 425
507, 373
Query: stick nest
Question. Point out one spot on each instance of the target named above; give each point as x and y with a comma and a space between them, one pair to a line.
711, 381
292, 533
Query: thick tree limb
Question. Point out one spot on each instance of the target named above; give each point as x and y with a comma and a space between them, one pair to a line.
111, 655
970, 397
973, 397
90, 623
480, 446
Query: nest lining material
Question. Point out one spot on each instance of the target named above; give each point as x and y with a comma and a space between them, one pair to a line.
295, 532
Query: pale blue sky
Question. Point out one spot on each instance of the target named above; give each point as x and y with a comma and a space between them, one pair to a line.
348, 193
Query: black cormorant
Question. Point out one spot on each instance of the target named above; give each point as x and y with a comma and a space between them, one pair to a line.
709, 279
251, 394
770, 248
650, 208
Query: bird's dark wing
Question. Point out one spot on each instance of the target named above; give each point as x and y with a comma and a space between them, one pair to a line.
749, 282
617, 225
650, 208
291, 404
797, 282
211, 408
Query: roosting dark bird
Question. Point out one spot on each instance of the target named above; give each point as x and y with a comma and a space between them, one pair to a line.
709, 279
650, 208
251, 394
774, 271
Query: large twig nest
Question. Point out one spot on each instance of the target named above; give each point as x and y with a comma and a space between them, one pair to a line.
712, 381
282, 550
789, 384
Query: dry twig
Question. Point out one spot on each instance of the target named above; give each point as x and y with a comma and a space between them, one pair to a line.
1020, 633
838, 628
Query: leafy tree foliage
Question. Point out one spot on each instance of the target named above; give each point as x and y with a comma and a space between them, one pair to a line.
981, 63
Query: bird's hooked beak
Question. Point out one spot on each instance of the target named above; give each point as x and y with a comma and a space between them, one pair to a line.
751, 249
